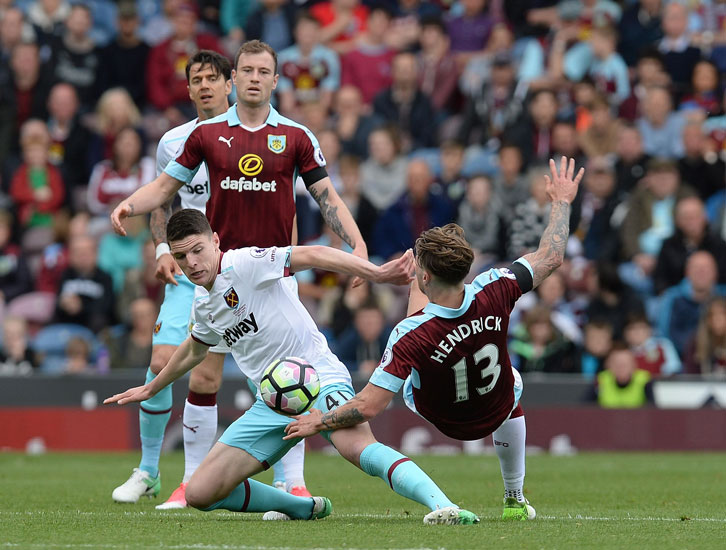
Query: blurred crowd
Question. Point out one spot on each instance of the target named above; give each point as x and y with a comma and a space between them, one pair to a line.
427, 112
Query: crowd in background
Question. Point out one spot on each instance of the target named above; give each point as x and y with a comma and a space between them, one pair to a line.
427, 112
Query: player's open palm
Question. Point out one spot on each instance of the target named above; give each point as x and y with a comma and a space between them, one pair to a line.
132, 395
563, 184
398, 271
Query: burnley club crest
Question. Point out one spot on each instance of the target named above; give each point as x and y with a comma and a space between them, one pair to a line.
231, 298
276, 144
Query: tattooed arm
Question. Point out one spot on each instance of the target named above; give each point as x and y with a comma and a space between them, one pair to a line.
562, 189
337, 216
166, 266
370, 402
157, 224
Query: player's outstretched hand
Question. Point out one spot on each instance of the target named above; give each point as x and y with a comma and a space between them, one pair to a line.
166, 269
132, 395
561, 186
119, 214
304, 425
398, 271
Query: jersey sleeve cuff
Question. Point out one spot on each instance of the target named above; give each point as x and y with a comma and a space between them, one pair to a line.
202, 341
386, 380
179, 172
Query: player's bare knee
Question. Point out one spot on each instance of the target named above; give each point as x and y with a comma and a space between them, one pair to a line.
197, 497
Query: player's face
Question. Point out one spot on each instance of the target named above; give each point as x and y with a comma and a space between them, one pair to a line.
255, 79
198, 257
208, 89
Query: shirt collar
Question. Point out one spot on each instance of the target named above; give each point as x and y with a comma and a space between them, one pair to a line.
273, 118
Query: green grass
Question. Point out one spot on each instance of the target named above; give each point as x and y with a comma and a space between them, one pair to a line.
601, 501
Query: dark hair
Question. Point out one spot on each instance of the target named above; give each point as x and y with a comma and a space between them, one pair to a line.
255, 47
305, 15
218, 62
433, 21
445, 253
186, 222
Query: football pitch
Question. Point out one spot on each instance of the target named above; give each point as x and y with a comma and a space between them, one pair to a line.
602, 501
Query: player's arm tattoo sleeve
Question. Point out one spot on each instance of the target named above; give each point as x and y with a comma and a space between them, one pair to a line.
343, 417
551, 251
157, 224
329, 212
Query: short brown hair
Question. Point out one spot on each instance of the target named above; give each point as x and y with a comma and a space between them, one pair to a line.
255, 47
445, 253
218, 63
185, 222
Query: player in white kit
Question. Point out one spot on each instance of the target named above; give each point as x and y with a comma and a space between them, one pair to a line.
242, 298
208, 74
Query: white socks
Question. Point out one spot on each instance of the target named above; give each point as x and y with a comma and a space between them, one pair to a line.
200, 433
509, 440
293, 464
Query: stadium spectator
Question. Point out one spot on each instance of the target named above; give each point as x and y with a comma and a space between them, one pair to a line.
532, 133
597, 343
309, 72
117, 255
479, 215
649, 72
383, 174
538, 346
115, 111
611, 301
510, 185
700, 166
404, 105
54, 257
36, 187
15, 277
478, 68
470, 30
166, 80
494, 107
48, 17
123, 61
682, 305
706, 353
565, 142
678, 54
361, 346
272, 22
31, 85
660, 127
130, 347
438, 68
704, 95
631, 161
343, 21
16, 357
367, 66
78, 356
525, 227
14, 30
85, 294
601, 137
363, 211
451, 170
157, 25
622, 385
639, 27
421, 207
140, 282
653, 354
691, 234
69, 137
115, 179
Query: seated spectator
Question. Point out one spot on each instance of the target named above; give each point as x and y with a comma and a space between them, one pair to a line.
166, 79
140, 282
69, 137
404, 105
14, 30
78, 356
691, 234
48, 18
367, 66
15, 276
479, 68
622, 385
351, 123
16, 357
678, 53
309, 72
115, 111
538, 346
439, 71
597, 343
451, 176
510, 185
54, 258
601, 137
115, 179
470, 30
75, 57
130, 348
649, 72
700, 166
479, 216
660, 127
530, 218
272, 22
31, 84
532, 133
361, 346
117, 255
611, 301
37, 187
704, 95
421, 207
85, 294
707, 351
343, 21
362, 210
123, 61
383, 174
631, 161
681, 306
653, 354
639, 27
565, 141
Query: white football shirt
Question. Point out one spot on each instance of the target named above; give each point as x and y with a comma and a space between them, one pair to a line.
195, 193
256, 312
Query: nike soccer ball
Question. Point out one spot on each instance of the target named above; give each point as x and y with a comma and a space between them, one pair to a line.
290, 386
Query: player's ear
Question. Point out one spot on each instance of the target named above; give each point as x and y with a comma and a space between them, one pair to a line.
215, 239
228, 85
274, 81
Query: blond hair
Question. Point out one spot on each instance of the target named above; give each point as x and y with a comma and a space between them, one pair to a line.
104, 120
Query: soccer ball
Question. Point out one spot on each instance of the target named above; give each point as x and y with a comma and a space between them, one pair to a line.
290, 386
